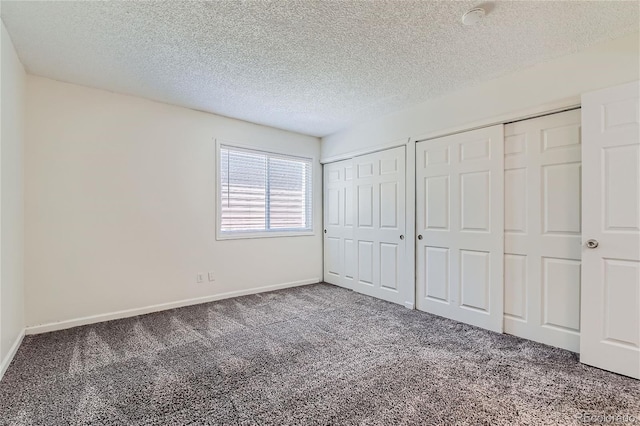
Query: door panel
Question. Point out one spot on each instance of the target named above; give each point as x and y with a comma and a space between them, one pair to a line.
475, 280
349, 260
389, 266
436, 198
459, 202
388, 205
561, 293
610, 308
475, 198
436, 274
365, 262
621, 293
380, 228
515, 293
338, 223
561, 198
542, 229
365, 206
621, 185
515, 190
332, 259
348, 200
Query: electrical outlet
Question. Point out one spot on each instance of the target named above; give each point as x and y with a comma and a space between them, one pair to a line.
211, 276
199, 278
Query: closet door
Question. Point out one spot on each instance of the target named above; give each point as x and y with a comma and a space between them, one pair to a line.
338, 224
459, 207
542, 229
380, 225
610, 320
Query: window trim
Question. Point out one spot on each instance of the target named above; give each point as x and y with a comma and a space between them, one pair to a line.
239, 235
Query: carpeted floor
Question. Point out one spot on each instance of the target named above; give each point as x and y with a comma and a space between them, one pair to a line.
316, 354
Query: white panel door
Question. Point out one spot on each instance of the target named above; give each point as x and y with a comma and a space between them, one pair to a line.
542, 161
339, 264
610, 321
379, 192
460, 209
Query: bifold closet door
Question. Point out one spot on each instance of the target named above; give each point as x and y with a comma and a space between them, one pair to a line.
542, 228
380, 225
610, 310
459, 221
338, 223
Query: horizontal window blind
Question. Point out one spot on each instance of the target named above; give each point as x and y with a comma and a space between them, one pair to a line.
264, 192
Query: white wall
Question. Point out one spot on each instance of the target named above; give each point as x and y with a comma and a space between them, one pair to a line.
565, 78
120, 206
11, 201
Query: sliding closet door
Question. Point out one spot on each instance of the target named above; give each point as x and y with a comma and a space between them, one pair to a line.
459, 207
338, 224
610, 335
542, 229
380, 225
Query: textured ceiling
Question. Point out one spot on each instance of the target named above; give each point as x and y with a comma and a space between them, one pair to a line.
308, 66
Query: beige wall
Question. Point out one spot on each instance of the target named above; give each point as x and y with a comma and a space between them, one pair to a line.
120, 206
11, 200
603, 65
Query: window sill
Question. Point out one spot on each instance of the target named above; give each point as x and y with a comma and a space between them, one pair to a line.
270, 234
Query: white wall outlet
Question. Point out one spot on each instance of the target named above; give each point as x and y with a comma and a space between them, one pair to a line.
211, 276
199, 278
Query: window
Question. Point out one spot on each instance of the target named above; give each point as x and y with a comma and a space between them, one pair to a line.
263, 194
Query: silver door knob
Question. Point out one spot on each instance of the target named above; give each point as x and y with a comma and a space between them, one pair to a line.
419, 237
402, 237
592, 244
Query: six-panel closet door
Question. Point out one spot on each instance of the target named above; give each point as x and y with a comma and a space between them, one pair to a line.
459, 226
338, 224
610, 320
379, 238
364, 225
543, 229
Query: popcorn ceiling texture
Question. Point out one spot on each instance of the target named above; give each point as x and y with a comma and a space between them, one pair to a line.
308, 66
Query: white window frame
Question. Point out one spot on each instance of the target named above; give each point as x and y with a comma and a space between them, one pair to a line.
237, 235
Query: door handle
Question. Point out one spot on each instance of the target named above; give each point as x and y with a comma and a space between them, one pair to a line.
592, 243
419, 237
325, 231
402, 237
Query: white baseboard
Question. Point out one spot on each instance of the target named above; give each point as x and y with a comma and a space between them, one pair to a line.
62, 325
4, 364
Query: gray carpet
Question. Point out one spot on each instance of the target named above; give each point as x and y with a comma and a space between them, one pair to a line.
310, 355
